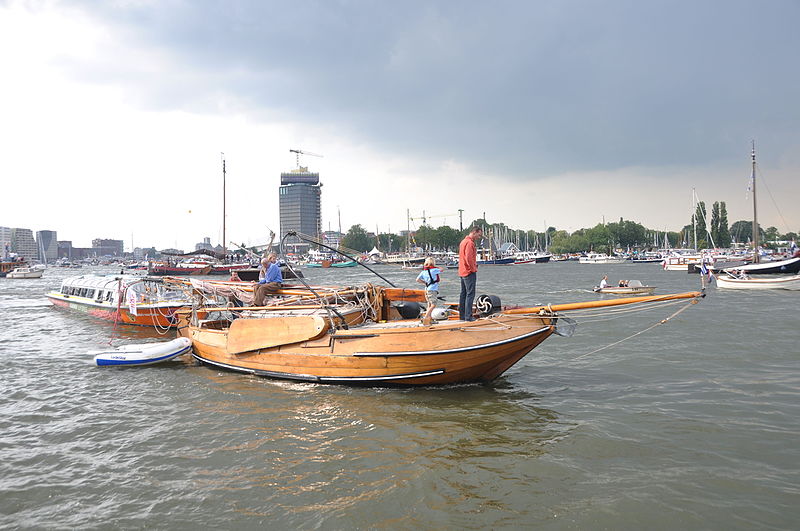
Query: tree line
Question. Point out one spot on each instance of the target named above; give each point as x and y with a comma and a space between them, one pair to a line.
603, 237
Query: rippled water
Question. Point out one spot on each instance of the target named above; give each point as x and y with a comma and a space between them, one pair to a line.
692, 424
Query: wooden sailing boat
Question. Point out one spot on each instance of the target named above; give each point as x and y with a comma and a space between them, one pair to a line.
739, 277
372, 335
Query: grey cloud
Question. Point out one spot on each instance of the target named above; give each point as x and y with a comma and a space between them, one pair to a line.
524, 88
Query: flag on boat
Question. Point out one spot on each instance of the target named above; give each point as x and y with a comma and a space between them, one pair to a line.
704, 270
131, 296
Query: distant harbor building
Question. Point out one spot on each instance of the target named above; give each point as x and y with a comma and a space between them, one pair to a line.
299, 203
205, 245
67, 251
23, 244
107, 247
5, 242
47, 242
145, 253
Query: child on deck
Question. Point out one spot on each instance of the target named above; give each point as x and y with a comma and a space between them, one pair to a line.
430, 277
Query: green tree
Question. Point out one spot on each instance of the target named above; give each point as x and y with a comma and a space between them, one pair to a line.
742, 231
357, 239
425, 237
771, 234
447, 238
628, 233
724, 231
599, 238
674, 238
560, 242
700, 225
389, 243
715, 223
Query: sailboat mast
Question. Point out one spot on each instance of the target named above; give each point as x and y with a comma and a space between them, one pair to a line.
694, 219
755, 211
224, 202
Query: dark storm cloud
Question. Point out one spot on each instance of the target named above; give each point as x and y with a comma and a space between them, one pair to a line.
528, 88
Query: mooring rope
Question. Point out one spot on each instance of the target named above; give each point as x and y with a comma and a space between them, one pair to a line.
693, 301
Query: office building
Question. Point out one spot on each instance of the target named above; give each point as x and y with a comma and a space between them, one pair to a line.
299, 203
5, 242
23, 244
47, 244
104, 247
206, 245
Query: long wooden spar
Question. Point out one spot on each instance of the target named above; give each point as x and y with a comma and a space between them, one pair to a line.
603, 304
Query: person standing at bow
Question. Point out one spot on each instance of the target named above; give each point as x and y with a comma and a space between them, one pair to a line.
468, 271
430, 277
270, 283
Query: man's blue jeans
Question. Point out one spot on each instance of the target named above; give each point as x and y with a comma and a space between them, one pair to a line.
467, 296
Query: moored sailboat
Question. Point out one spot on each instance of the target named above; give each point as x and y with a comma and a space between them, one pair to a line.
372, 335
739, 277
733, 280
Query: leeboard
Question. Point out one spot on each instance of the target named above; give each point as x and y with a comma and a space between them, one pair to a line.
253, 334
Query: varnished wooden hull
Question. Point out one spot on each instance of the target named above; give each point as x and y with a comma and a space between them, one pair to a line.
162, 270
404, 353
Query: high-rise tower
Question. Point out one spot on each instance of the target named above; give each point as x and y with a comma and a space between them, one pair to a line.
299, 201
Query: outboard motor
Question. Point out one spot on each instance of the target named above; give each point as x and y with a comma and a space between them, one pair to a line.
487, 304
439, 314
409, 310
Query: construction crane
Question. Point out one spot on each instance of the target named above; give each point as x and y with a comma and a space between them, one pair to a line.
299, 152
425, 218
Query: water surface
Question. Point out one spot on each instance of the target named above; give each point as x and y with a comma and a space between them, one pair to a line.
692, 424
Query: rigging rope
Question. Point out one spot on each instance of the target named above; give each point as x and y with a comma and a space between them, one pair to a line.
693, 301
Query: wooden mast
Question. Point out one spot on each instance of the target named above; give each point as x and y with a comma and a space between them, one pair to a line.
755, 211
224, 246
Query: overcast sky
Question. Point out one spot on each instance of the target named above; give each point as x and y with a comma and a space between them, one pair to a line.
113, 114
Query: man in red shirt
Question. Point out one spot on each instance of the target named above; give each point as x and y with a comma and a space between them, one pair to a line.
468, 271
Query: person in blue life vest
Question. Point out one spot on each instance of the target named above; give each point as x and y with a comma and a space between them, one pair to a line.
430, 277
271, 283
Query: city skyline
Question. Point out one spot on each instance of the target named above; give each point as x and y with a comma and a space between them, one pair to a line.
556, 114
